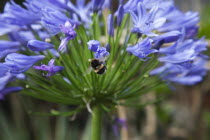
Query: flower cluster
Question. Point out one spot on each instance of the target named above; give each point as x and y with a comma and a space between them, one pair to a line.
139, 35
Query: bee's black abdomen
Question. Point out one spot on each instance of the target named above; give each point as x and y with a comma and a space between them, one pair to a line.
95, 63
101, 71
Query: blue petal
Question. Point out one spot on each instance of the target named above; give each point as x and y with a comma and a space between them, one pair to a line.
36, 45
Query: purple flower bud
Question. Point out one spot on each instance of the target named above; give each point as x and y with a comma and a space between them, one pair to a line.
101, 53
8, 90
110, 23
93, 45
36, 45
50, 68
97, 4
19, 63
120, 15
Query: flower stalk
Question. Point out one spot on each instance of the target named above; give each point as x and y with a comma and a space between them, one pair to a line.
96, 123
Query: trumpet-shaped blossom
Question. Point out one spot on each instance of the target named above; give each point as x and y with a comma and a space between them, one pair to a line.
142, 49
68, 30
100, 52
36, 45
54, 20
14, 14
82, 11
145, 22
93, 45
19, 63
187, 20
8, 90
7, 47
50, 68
131, 5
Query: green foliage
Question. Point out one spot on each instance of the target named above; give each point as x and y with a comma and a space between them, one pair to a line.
205, 22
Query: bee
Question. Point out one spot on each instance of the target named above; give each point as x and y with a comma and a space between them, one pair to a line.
98, 65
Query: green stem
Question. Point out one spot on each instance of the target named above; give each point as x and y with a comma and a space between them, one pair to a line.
96, 123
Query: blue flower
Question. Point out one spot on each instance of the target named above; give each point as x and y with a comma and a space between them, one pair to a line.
19, 63
7, 47
50, 68
8, 90
120, 15
110, 25
82, 11
142, 49
131, 5
187, 20
16, 15
36, 45
101, 53
54, 19
188, 73
68, 30
145, 22
93, 45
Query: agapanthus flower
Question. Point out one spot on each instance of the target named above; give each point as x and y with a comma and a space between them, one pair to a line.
145, 22
142, 49
83, 11
100, 52
93, 45
36, 45
8, 90
50, 68
7, 47
68, 30
16, 15
19, 63
187, 20
131, 5
188, 73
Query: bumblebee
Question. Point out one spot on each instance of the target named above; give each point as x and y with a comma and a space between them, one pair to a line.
98, 66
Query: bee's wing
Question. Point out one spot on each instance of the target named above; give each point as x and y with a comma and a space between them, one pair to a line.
103, 59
